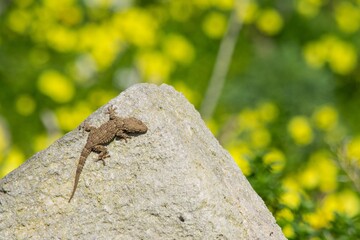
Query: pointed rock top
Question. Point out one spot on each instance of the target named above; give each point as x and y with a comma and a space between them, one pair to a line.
174, 182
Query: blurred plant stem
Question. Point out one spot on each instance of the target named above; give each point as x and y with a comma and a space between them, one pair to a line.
349, 166
222, 62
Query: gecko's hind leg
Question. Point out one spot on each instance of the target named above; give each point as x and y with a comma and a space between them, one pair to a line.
103, 153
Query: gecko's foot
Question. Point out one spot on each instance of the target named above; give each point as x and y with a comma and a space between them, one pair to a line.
85, 126
102, 157
103, 161
119, 138
111, 111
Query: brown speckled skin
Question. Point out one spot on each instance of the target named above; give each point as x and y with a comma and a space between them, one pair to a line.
116, 127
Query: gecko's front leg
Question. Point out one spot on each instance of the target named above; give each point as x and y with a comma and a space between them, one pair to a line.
122, 135
111, 112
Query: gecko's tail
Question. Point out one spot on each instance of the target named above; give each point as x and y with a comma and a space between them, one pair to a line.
80, 166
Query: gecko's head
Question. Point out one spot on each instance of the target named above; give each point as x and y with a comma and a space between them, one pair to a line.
134, 125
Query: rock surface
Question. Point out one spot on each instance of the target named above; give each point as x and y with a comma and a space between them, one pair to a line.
174, 182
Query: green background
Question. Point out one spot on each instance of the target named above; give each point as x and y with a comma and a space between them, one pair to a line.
277, 82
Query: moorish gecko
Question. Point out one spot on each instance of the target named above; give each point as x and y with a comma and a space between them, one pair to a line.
116, 127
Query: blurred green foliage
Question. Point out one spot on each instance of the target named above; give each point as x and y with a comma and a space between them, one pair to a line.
288, 110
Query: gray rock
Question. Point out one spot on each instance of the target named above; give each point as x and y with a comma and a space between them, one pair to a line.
174, 182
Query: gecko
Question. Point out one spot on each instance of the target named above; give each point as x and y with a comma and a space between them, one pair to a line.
116, 127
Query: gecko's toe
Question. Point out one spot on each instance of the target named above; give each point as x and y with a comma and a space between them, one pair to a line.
102, 160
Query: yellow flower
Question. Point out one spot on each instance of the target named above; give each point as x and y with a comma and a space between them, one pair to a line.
268, 111
102, 42
260, 138
86, 42
13, 160
138, 26
99, 97
347, 17
269, 22
56, 86
55, 5
61, 39
241, 152
25, 105
276, 159
71, 15
318, 219
154, 66
43, 141
285, 214
300, 130
349, 203
40, 143
353, 149
224, 4
202, 4
309, 178
326, 169
70, 117
288, 231
244, 166
212, 125
325, 117
19, 20
315, 54
346, 202
329, 206
308, 8
179, 49
248, 119
291, 197
247, 11
214, 25
342, 57
67, 11
190, 94
181, 10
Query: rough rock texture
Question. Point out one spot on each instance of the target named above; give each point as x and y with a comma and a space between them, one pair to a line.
174, 182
